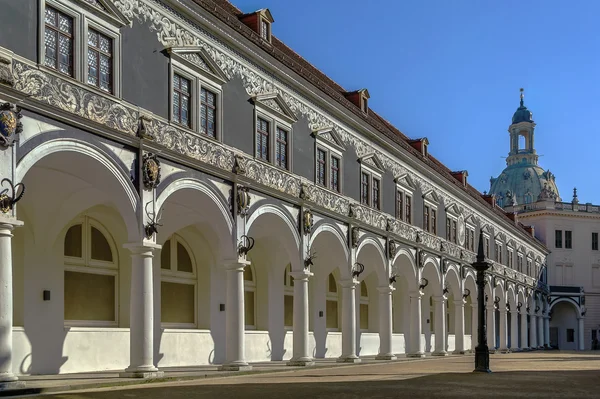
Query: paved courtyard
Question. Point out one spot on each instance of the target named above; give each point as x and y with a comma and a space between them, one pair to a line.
551, 374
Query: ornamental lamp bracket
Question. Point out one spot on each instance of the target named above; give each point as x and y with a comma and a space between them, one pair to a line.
10, 196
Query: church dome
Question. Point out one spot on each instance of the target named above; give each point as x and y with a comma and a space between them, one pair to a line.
522, 114
524, 183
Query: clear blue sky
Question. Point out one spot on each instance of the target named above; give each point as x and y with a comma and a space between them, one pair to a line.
451, 70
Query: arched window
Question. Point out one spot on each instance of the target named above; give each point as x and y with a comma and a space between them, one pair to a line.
332, 303
288, 297
91, 275
178, 284
364, 306
249, 297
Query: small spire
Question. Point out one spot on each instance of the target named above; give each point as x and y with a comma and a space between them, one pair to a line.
575, 199
522, 95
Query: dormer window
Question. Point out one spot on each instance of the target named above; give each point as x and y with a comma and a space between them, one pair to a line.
420, 145
260, 22
360, 98
461, 176
365, 105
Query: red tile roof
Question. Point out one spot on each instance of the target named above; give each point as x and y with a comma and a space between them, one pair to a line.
224, 10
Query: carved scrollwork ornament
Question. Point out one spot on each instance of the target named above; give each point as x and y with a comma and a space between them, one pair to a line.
10, 124
10, 196
142, 131
421, 254
388, 225
243, 200
352, 212
150, 170
392, 249
307, 221
354, 236
444, 266
239, 167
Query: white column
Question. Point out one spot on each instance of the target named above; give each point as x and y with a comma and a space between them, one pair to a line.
524, 344
235, 324
459, 326
348, 322
474, 325
301, 355
503, 346
514, 329
440, 323
540, 328
414, 350
385, 323
491, 327
141, 313
580, 329
6, 301
547, 331
532, 331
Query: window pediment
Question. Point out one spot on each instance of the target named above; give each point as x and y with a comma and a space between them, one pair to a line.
274, 103
107, 11
431, 197
453, 210
405, 182
197, 59
372, 162
329, 136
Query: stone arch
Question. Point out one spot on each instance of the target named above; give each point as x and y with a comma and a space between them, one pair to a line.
334, 236
378, 252
404, 264
453, 281
112, 178
569, 301
431, 271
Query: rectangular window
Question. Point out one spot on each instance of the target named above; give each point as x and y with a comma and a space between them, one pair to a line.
89, 297
408, 214
496, 252
249, 308
570, 335
100, 63
321, 167
376, 198
262, 139
181, 100
281, 148
594, 241
426, 218
288, 310
364, 188
557, 238
208, 113
364, 316
58, 41
177, 303
454, 235
510, 259
487, 247
332, 314
264, 29
568, 239
433, 221
448, 228
335, 174
520, 264
399, 205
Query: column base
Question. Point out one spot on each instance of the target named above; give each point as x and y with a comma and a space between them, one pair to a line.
302, 362
10, 385
506, 350
142, 374
459, 352
348, 359
385, 356
7, 377
418, 354
441, 353
235, 367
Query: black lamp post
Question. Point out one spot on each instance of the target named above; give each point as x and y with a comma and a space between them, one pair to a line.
482, 353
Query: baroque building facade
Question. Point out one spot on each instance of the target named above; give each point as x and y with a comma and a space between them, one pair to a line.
197, 193
569, 229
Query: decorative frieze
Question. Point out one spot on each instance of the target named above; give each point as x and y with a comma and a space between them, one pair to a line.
325, 198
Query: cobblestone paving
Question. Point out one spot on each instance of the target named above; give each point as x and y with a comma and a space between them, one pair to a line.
548, 375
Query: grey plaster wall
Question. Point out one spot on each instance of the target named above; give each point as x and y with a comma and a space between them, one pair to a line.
145, 69
238, 116
351, 174
417, 216
19, 22
441, 220
303, 148
388, 196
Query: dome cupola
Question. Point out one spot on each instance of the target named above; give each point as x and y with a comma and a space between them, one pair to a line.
522, 114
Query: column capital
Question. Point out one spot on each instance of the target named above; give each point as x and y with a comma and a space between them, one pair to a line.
441, 298
141, 248
351, 283
236, 264
459, 302
416, 294
8, 223
386, 290
302, 275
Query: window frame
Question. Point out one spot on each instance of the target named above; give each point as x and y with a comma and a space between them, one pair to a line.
594, 234
558, 239
333, 296
86, 264
363, 300
432, 207
469, 233
74, 39
568, 241
199, 79
173, 275
498, 247
277, 120
374, 174
250, 286
331, 150
288, 290
404, 190
510, 256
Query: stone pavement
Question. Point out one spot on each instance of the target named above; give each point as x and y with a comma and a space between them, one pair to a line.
551, 374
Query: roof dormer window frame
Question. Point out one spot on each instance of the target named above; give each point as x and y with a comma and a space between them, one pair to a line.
265, 29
